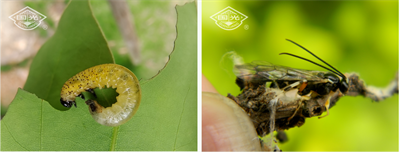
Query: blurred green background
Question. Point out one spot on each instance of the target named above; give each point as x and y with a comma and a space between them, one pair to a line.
353, 36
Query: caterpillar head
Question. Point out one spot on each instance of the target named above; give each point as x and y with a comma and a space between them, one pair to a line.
67, 103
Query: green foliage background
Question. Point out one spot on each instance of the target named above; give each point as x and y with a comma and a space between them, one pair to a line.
353, 36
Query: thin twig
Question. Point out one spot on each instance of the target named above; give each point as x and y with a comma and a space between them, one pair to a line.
125, 21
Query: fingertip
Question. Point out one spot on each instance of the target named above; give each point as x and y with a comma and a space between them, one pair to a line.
226, 126
207, 86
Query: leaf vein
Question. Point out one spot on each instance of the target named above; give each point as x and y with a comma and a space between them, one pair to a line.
41, 125
5, 124
114, 138
180, 118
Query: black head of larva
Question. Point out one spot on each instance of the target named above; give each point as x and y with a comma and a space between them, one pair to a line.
67, 103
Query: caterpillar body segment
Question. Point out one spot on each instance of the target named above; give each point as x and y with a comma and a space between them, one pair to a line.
109, 76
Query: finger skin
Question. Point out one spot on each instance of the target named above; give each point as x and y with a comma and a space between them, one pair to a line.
226, 126
207, 86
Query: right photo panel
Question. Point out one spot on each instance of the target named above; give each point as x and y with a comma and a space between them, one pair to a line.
300, 75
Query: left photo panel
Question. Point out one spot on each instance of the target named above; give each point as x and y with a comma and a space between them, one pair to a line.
99, 75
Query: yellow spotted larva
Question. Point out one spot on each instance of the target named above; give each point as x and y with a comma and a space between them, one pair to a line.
100, 76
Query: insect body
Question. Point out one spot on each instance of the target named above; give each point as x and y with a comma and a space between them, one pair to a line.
309, 83
100, 76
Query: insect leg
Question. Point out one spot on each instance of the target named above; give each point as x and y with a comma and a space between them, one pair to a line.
290, 118
303, 84
81, 96
92, 92
327, 103
303, 98
93, 106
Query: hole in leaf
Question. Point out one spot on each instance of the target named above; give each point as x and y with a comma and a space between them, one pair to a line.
105, 96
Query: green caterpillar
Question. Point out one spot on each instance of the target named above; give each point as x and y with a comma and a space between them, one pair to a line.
109, 75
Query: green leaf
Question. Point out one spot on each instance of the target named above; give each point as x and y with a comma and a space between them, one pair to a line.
106, 96
32, 124
166, 119
77, 44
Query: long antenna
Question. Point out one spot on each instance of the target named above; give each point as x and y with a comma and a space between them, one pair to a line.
309, 61
316, 57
